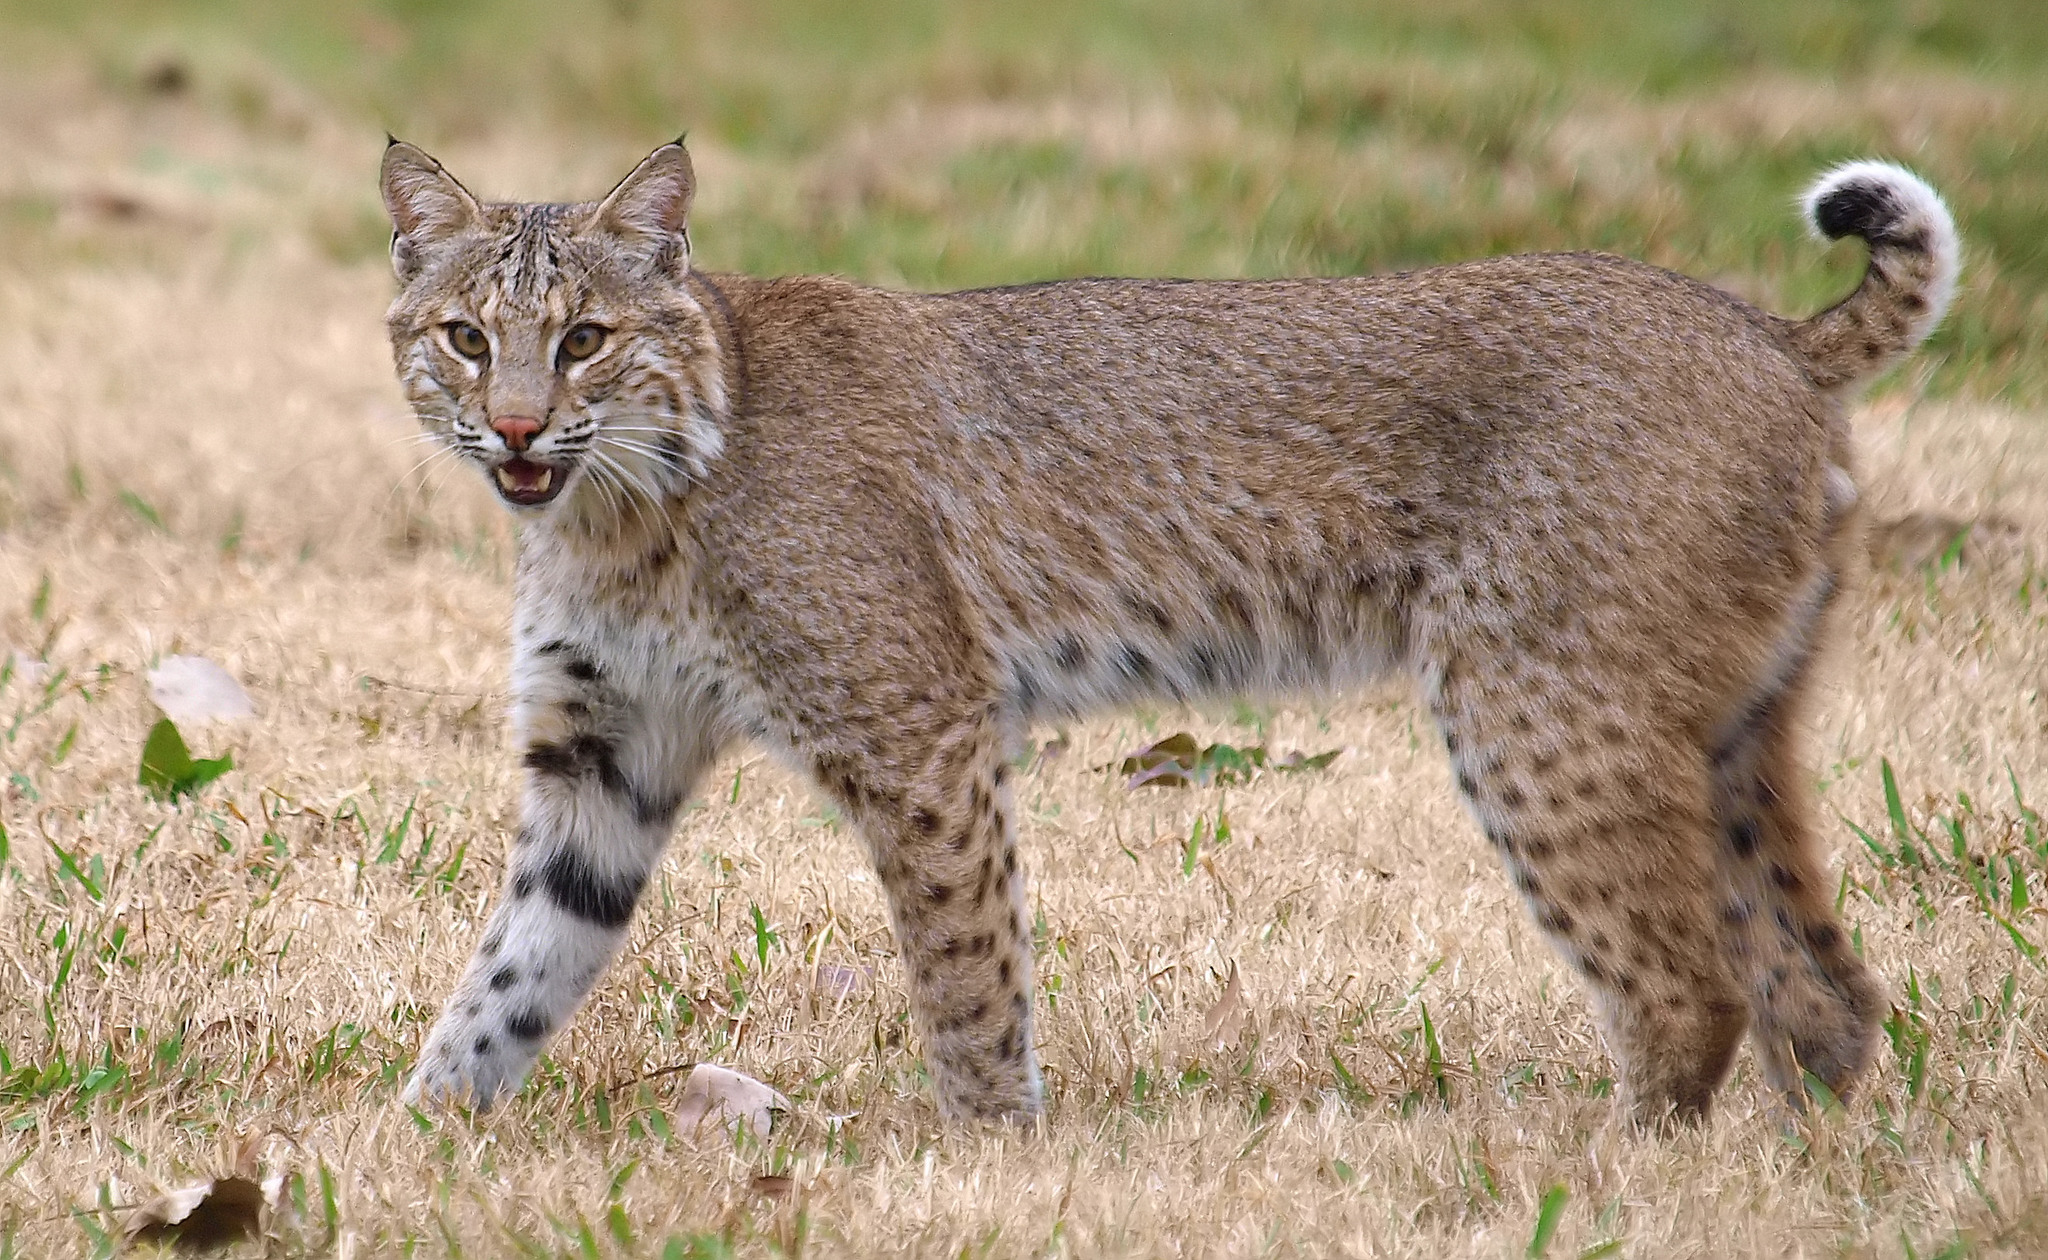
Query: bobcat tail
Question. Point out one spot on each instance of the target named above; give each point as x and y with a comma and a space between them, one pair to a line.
1914, 256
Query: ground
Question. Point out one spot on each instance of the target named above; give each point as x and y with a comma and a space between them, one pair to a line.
201, 451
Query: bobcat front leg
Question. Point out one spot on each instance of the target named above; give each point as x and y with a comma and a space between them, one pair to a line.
606, 771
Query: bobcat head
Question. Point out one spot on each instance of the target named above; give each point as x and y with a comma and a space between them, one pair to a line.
559, 347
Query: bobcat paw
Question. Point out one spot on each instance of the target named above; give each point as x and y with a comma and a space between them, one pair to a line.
464, 1061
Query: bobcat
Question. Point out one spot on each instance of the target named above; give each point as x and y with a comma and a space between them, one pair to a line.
1597, 509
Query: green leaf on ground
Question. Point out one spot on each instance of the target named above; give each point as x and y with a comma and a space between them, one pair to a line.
169, 769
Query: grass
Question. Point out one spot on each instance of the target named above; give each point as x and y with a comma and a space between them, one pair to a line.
1292, 1013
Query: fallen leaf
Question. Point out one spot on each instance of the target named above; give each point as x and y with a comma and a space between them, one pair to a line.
1220, 1025
774, 1185
1295, 761
192, 689
30, 671
204, 1217
838, 983
1165, 774
168, 768
731, 1097
1179, 761
1178, 749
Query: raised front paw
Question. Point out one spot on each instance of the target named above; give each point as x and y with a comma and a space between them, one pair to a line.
469, 1059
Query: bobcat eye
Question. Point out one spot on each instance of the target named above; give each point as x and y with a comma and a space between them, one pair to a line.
469, 341
583, 341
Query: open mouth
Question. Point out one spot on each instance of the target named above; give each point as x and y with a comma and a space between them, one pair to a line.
527, 482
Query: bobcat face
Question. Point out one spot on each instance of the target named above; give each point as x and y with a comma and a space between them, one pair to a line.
555, 346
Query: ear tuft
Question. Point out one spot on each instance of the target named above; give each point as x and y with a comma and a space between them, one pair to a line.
650, 209
426, 204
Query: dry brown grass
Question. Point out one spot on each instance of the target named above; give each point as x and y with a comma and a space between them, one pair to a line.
181, 342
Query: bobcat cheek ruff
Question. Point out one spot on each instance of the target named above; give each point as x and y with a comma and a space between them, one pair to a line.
1597, 510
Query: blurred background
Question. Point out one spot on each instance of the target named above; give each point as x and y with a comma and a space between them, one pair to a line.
932, 144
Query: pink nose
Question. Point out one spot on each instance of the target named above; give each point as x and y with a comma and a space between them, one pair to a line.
516, 430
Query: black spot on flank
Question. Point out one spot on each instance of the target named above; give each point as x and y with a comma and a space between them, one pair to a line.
938, 894
924, 820
492, 944
1069, 652
1135, 665
1002, 773
1010, 862
1555, 920
482, 1045
581, 670
1029, 690
1742, 837
552, 647
522, 885
527, 1026
1511, 796
504, 978
1003, 970
1783, 877
578, 889
1467, 785
1823, 936
1234, 607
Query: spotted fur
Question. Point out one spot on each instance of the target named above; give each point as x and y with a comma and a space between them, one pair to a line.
1599, 511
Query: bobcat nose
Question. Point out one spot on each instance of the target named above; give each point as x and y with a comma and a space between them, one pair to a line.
516, 430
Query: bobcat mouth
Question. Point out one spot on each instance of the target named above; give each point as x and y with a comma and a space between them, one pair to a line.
528, 482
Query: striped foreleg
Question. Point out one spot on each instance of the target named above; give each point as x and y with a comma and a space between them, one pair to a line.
598, 808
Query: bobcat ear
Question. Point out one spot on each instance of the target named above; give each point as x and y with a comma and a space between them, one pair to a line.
426, 205
650, 209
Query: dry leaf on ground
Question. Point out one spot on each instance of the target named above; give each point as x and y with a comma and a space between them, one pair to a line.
212, 1214
733, 1098
774, 1186
838, 983
192, 689
1219, 1027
